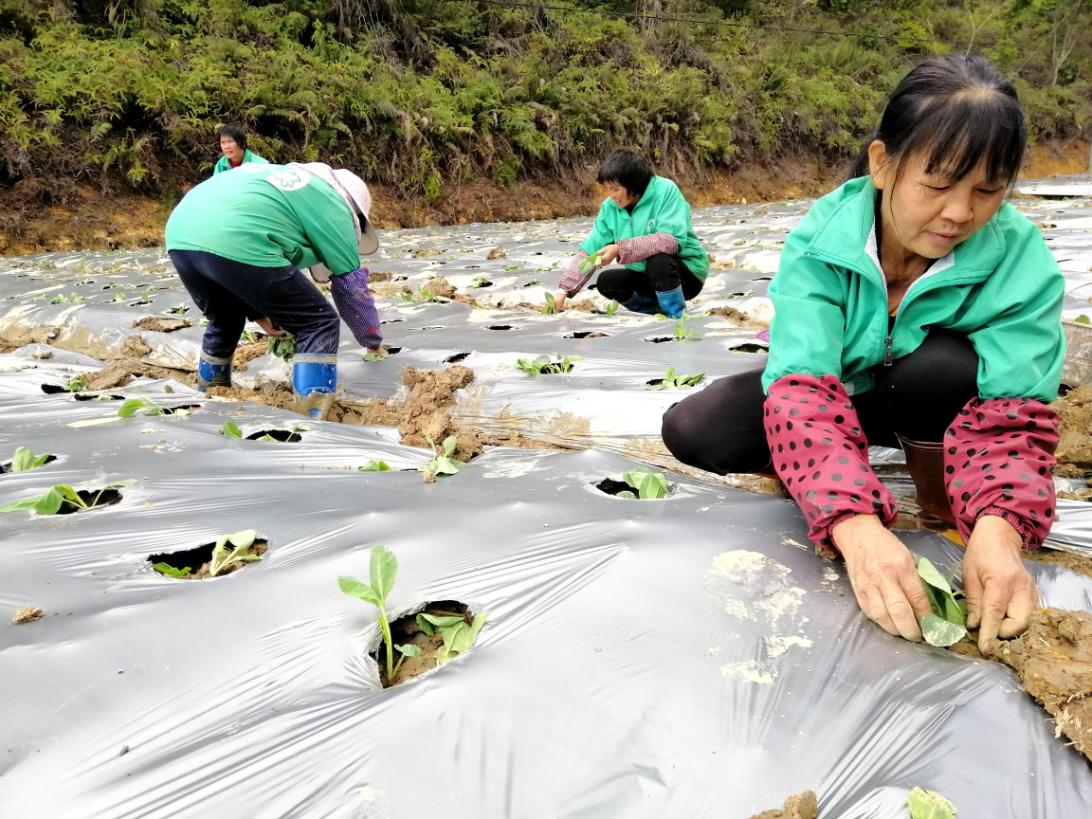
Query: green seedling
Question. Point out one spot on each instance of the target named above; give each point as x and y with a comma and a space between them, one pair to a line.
1083, 319
119, 296
375, 466
458, 635
282, 346
241, 551
481, 281
646, 485
178, 309
58, 299
589, 264
142, 406
373, 357
56, 497
382, 570
946, 624
671, 381
925, 804
24, 460
682, 332
442, 463
76, 384
248, 337
612, 308
550, 307
171, 571
231, 430
544, 366
511, 268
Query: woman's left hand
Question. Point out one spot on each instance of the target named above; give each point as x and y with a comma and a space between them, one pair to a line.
270, 328
607, 254
1000, 592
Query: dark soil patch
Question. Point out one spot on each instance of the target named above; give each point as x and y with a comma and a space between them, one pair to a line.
179, 408
161, 325
54, 389
802, 806
455, 359
393, 350
655, 382
613, 487
284, 436
101, 396
406, 630
660, 339
588, 334
500, 327
5, 467
200, 556
747, 348
1053, 659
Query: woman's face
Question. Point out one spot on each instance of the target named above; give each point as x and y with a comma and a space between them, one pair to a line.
928, 214
622, 197
231, 149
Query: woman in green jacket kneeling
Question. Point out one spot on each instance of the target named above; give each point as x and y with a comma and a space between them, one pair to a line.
644, 224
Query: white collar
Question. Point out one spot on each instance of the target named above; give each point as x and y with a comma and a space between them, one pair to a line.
873, 252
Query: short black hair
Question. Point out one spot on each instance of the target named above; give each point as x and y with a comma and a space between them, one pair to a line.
958, 111
236, 133
628, 168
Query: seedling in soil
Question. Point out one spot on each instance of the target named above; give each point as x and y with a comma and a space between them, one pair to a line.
178, 309
925, 804
382, 570
227, 554
442, 463
682, 332
282, 346
544, 366
249, 337
589, 264
144, 406
171, 571
671, 381
946, 623
233, 550
481, 281
612, 308
373, 357
647, 485
550, 307
76, 384
457, 634
24, 460
62, 499
230, 430
375, 466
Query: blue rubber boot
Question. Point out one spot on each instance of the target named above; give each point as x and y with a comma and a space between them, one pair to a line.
672, 303
640, 303
213, 371
313, 373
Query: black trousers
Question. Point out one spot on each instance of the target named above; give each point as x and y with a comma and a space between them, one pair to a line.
661, 274
720, 428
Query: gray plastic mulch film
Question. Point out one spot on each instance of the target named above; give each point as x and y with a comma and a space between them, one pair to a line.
682, 657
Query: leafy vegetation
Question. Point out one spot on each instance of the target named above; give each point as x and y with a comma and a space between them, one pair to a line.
458, 635
544, 365
233, 550
382, 570
550, 307
946, 624
282, 346
375, 466
417, 93
646, 485
925, 804
671, 381
23, 460
59, 498
442, 463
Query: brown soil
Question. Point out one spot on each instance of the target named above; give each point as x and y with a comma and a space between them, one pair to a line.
91, 220
259, 548
1078, 494
406, 630
1074, 452
161, 325
802, 806
440, 287
245, 353
1055, 557
13, 339
27, 614
1053, 659
738, 317
108, 378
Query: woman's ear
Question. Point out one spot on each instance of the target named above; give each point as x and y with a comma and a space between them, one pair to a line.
879, 163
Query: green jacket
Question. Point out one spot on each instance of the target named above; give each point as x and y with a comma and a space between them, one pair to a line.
267, 216
661, 209
1001, 287
248, 156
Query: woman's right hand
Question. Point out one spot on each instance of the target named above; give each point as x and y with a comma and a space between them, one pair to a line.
560, 297
883, 575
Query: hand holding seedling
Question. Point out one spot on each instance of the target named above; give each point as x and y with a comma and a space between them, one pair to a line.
1000, 593
560, 298
883, 575
606, 255
269, 327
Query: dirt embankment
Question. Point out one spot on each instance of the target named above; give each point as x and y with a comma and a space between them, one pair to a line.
36, 216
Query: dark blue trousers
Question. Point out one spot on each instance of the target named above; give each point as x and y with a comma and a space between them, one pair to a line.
229, 292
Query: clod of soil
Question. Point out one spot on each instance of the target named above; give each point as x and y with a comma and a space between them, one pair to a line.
441, 287
1074, 453
200, 557
454, 359
27, 614
94, 498
246, 353
108, 378
1055, 557
737, 317
802, 806
1053, 659
497, 253
748, 348
406, 630
161, 325
6, 467
499, 327
587, 334
284, 436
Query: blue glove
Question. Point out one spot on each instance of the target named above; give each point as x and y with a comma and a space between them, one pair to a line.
355, 305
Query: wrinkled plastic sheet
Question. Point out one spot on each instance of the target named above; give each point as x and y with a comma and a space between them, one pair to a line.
682, 657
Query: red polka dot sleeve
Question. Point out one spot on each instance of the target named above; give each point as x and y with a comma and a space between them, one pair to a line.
998, 457
821, 453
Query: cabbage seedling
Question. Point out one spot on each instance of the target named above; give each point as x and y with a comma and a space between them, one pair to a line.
24, 460
481, 281
671, 381
442, 463
171, 571
682, 332
925, 804
241, 551
589, 264
612, 308
282, 346
375, 466
139, 405
458, 635
382, 570
542, 365
57, 497
946, 623
76, 384
550, 307
230, 430
647, 485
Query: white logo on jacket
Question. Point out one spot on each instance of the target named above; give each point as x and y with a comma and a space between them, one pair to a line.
288, 180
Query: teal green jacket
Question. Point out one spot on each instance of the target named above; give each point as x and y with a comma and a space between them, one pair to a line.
248, 156
661, 209
267, 216
1001, 287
